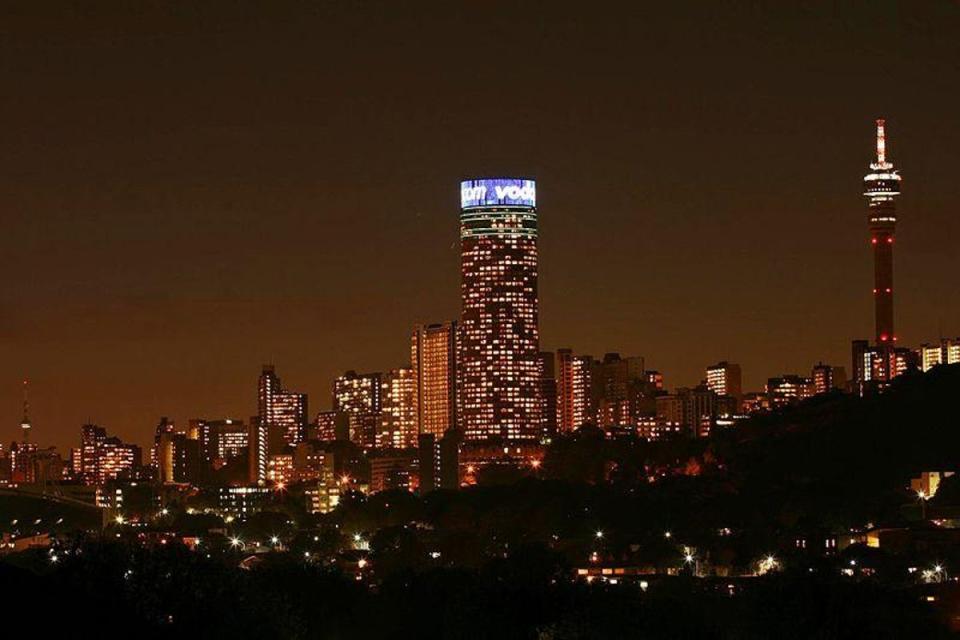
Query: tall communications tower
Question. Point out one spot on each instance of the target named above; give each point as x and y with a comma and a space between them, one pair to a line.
25, 424
881, 187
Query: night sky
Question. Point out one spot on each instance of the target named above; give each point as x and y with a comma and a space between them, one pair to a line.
191, 191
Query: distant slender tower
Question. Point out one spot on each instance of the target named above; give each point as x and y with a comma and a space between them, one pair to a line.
881, 187
25, 423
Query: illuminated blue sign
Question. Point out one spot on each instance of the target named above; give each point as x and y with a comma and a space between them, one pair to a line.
498, 191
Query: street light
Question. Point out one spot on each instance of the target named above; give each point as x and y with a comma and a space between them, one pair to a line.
599, 534
923, 497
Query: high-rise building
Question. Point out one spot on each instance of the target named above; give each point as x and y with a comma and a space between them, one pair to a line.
930, 356
282, 411
180, 458
315, 468
826, 378
360, 397
755, 402
280, 469
357, 393
115, 458
688, 411
575, 406
91, 438
4, 466
164, 426
220, 440
332, 425
433, 357
613, 376
788, 389
231, 439
725, 379
439, 461
104, 458
312, 461
392, 470
876, 365
398, 418
620, 393
499, 322
22, 457
947, 352
655, 378
548, 393
258, 452
281, 421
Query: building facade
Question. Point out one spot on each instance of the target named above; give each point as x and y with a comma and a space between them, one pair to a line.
826, 378
433, 358
947, 352
575, 406
398, 418
548, 393
360, 397
499, 322
281, 420
725, 379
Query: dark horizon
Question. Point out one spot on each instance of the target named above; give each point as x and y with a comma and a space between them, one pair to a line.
191, 192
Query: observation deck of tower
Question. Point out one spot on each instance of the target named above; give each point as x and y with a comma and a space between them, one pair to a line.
881, 187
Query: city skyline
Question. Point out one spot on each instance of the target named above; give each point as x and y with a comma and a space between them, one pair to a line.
480, 212
679, 242
446, 319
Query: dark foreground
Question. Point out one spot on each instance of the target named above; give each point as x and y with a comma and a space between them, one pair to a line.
115, 590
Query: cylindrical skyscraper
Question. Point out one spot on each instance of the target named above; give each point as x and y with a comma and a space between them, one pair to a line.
499, 321
882, 186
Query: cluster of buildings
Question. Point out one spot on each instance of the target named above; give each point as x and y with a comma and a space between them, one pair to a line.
476, 391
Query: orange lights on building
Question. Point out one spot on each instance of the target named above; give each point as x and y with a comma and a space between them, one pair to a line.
398, 420
574, 385
499, 323
281, 420
359, 396
433, 357
280, 470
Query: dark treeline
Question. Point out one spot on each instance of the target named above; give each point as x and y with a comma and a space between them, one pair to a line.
113, 591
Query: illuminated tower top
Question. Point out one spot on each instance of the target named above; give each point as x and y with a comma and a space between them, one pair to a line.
881, 187
25, 424
882, 184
